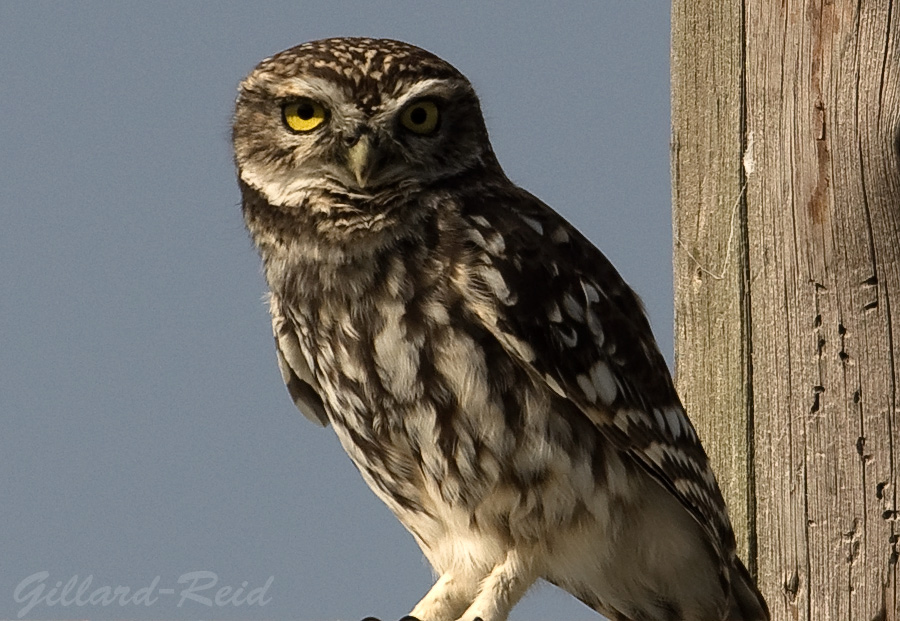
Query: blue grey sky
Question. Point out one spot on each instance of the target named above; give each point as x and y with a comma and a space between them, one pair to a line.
146, 432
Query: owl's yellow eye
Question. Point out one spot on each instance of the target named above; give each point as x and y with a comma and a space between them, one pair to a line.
304, 116
420, 117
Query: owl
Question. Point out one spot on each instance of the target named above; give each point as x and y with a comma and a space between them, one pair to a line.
487, 370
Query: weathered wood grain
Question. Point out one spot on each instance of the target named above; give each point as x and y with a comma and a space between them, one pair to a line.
710, 363
813, 287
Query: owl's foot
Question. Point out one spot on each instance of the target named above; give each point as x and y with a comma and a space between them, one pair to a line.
408, 618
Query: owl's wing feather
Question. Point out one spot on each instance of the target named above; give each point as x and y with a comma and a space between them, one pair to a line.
560, 307
295, 371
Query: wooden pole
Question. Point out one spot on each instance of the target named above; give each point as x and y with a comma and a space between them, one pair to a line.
786, 189
711, 373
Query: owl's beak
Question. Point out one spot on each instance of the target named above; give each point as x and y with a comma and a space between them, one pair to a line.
361, 158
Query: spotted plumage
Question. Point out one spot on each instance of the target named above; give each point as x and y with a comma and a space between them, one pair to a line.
485, 367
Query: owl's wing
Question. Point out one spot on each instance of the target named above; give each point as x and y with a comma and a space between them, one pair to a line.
297, 376
562, 310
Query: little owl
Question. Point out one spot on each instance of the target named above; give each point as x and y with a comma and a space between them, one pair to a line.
486, 368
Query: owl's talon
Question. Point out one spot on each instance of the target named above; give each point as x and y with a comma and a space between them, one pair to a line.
371, 619
409, 618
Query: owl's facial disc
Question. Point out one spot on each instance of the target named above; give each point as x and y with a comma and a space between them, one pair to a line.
303, 132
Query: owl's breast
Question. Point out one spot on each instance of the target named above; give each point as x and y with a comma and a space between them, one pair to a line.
440, 420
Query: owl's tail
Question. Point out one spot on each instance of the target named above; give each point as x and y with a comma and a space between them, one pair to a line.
747, 602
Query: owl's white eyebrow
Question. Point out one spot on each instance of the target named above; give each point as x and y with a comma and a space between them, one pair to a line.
431, 86
314, 88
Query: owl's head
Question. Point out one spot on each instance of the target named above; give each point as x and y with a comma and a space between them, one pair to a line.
355, 119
